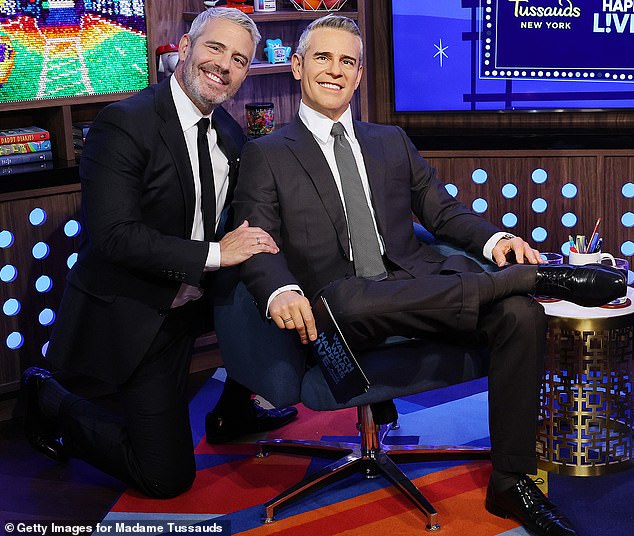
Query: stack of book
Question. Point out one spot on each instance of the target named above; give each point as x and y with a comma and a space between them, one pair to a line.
80, 130
25, 149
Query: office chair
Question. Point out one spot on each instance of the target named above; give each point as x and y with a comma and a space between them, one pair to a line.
274, 364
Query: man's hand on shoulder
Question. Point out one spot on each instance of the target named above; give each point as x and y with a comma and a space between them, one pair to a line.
242, 243
515, 249
291, 310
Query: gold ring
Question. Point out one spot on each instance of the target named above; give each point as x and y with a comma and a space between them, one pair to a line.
286, 320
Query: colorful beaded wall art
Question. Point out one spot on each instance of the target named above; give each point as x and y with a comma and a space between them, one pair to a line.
69, 48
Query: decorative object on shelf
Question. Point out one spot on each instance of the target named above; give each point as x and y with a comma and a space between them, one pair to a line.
260, 118
318, 5
241, 5
167, 56
276, 52
210, 3
264, 5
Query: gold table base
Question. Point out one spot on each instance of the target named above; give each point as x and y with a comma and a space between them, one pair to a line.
587, 404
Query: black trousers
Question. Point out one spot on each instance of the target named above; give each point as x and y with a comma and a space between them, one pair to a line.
513, 327
149, 446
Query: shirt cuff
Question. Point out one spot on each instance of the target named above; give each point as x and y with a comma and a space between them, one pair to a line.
212, 263
278, 292
487, 250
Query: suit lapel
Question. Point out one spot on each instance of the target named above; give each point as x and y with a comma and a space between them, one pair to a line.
172, 134
229, 146
373, 157
301, 142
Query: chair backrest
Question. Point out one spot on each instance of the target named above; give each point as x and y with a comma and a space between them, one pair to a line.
272, 362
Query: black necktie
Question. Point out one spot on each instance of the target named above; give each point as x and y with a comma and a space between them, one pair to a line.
207, 187
366, 251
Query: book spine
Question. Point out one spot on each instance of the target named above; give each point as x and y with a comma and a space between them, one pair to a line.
25, 147
25, 158
27, 136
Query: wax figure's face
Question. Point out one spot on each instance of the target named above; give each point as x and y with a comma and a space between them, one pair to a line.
330, 71
213, 67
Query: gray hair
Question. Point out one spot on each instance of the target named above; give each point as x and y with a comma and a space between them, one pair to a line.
226, 13
334, 22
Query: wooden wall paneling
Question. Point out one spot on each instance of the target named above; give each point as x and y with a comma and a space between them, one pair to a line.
14, 216
618, 171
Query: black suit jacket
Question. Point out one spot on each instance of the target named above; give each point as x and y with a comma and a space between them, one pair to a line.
286, 187
138, 209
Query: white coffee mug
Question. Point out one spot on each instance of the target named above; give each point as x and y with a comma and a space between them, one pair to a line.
579, 259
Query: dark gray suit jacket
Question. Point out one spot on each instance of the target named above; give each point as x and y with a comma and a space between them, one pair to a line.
138, 209
287, 188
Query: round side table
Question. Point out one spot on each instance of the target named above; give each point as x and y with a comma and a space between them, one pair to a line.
587, 404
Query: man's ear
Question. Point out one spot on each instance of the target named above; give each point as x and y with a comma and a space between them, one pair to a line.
183, 47
296, 66
359, 76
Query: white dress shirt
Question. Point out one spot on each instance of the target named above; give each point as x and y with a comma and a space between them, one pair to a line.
188, 116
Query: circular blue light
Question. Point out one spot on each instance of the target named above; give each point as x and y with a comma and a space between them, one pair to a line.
539, 176
37, 216
569, 191
565, 248
479, 205
46, 317
509, 191
628, 190
11, 307
539, 205
452, 189
44, 349
539, 234
72, 259
40, 250
569, 219
15, 340
627, 248
509, 220
72, 228
479, 176
8, 273
43, 283
627, 219
6, 239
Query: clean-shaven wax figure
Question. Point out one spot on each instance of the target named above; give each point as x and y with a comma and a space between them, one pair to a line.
337, 195
157, 171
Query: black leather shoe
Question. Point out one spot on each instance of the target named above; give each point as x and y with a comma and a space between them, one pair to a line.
590, 285
40, 430
384, 412
525, 502
222, 427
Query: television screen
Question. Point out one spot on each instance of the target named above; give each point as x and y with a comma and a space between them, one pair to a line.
463, 55
69, 48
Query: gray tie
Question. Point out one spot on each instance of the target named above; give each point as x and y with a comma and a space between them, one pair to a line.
365, 245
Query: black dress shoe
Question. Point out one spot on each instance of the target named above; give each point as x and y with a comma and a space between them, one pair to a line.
525, 502
41, 431
590, 285
222, 426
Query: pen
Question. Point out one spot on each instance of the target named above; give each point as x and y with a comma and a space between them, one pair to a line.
594, 233
594, 243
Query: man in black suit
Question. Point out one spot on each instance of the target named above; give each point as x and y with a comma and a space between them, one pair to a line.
157, 171
378, 279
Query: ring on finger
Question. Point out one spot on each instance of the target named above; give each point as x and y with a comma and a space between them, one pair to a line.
257, 240
287, 320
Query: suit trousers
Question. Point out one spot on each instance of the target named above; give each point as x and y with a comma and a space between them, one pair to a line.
149, 446
513, 328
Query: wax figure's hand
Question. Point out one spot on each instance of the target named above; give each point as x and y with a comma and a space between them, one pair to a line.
291, 310
515, 250
242, 243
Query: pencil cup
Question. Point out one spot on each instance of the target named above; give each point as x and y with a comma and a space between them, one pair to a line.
579, 259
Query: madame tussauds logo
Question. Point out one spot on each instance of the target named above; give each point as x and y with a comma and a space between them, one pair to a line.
565, 9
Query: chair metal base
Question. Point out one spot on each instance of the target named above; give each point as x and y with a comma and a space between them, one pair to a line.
371, 458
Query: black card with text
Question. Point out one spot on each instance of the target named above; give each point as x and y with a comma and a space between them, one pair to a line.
343, 374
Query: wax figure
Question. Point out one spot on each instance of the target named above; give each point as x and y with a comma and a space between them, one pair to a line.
357, 248
157, 171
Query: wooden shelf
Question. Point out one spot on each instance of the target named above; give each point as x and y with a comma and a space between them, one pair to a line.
282, 15
269, 68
